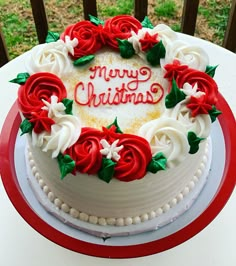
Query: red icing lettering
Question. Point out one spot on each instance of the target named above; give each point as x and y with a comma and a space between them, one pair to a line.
127, 92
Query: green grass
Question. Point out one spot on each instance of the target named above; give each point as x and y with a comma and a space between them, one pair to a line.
19, 30
121, 7
166, 8
219, 21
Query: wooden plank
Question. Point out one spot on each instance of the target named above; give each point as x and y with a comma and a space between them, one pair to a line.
40, 19
189, 16
230, 34
140, 9
90, 8
4, 57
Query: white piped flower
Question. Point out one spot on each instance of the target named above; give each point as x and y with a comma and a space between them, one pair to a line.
111, 150
54, 108
190, 90
71, 44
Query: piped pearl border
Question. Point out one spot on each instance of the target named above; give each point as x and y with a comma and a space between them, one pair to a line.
122, 221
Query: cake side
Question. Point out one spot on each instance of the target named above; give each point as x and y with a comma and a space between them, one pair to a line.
119, 203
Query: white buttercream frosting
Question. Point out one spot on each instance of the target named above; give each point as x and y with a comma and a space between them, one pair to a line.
193, 56
168, 136
64, 133
51, 57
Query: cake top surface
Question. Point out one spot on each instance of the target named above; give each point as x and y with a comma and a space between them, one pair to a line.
117, 98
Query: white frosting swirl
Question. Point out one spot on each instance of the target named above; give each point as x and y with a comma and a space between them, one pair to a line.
64, 133
193, 56
165, 33
168, 136
200, 124
51, 57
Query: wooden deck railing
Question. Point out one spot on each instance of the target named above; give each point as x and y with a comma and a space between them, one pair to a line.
188, 24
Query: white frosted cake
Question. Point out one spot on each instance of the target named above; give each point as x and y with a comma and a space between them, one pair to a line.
118, 117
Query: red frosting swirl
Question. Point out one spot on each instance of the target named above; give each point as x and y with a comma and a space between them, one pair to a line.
86, 151
88, 36
204, 82
135, 156
38, 87
120, 27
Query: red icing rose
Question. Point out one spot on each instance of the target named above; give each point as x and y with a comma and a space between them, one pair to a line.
86, 151
134, 158
120, 27
88, 35
38, 87
205, 83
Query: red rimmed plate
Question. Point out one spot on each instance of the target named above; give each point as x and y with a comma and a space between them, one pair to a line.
124, 247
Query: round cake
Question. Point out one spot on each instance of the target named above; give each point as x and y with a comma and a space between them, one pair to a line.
118, 117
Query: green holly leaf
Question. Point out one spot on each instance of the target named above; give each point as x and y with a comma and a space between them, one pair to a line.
157, 163
66, 164
175, 96
214, 113
115, 123
107, 170
96, 20
21, 78
146, 23
126, 48
83, 60
155, 54
193, 141
52, 37
210, 70
26, 126
68, 104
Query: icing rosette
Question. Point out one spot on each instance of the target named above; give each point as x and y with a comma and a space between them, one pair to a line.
120, 27
51, 57
168, 136
135, 155
192, 56
199, 124
205, 83
88, 35
38, 87
86, 151
165, 33
63, 134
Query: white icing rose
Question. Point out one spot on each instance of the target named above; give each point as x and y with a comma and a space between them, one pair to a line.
193, 56
168, 136
51, 57
165, 33
64, 133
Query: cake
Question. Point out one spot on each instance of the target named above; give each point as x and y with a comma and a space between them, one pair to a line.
118, 117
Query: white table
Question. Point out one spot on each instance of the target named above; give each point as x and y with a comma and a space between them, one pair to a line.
22, 246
